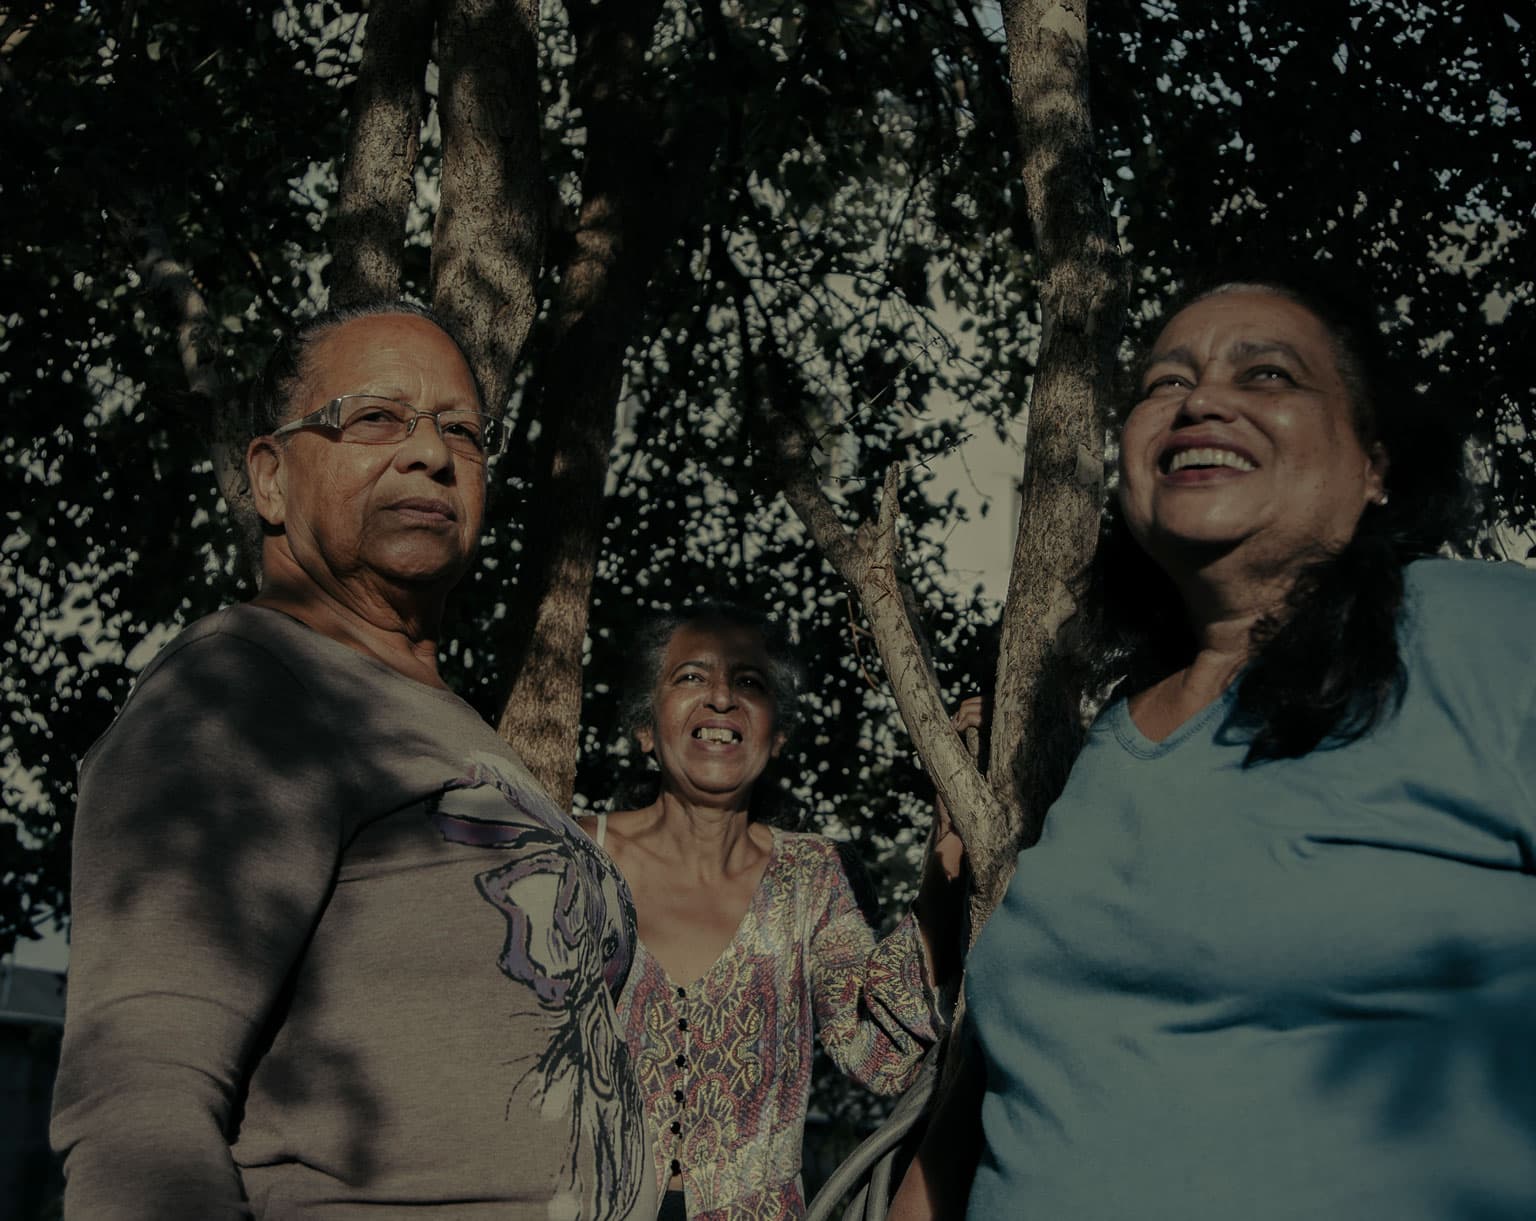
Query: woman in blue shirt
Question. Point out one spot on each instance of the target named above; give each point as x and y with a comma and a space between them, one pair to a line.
1274, 955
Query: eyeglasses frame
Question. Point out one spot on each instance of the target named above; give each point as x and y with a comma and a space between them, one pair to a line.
329, 416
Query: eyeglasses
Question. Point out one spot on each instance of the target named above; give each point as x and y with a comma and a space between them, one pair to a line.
367, 419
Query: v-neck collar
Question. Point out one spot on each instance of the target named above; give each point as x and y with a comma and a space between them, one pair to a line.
1143, 747
748, 916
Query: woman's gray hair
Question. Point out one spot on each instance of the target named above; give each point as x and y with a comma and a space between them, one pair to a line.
786, 672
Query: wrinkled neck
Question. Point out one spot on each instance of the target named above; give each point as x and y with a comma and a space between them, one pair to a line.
400, 632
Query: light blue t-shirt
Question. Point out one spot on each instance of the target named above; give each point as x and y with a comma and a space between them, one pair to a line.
1306, 990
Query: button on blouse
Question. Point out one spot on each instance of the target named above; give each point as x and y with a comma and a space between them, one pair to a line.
724, 1063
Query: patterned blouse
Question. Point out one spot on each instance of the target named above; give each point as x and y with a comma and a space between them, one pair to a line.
725, 1064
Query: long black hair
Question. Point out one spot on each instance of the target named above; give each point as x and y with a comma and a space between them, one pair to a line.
637, 699
1324, 668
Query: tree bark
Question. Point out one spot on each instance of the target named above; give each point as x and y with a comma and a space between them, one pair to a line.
633, 204
488, 240
378, 179
869, 560
1082, 295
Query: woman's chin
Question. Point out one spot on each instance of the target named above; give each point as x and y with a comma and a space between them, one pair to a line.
730, 786
422, 565
1198, 542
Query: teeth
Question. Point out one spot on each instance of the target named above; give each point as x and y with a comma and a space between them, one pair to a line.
1208, 457
711, 734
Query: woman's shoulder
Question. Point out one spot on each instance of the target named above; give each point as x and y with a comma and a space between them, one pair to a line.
611, 830
828, 866
808, 847
238, 629
805, 861
1448, 577
223, 672
1470, 597
228, 642
1468, 622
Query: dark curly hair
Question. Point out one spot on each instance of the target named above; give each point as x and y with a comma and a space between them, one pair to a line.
637, 706
1324, 668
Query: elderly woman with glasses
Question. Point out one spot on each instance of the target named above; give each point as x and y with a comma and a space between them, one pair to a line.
335, 953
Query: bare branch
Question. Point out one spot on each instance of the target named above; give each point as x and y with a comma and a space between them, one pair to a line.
378, 179
869, 561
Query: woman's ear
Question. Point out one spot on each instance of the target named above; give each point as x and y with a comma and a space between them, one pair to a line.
647, 739
264, 468
779, 738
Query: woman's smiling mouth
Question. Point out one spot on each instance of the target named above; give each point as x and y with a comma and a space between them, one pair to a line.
1206, 457
716, 733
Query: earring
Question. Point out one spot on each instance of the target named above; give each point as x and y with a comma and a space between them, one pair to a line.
1381, 500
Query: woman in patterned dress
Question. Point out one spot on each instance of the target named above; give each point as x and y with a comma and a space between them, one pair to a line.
751, 934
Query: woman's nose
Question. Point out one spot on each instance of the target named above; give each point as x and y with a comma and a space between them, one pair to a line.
424, 445
1207, 401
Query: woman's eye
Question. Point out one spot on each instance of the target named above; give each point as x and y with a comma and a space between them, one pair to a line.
1267, 373
463, 431
1170, 381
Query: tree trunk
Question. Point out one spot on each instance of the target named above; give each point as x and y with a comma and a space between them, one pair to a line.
378, 181
488, 240
631, 211
1082, 292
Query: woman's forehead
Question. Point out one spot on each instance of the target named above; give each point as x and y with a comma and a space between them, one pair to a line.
717, 640
402, 353
1244, 323
1243, 315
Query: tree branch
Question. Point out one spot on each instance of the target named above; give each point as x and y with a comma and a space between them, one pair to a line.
870, 562
378, 178
488, 241
637, 183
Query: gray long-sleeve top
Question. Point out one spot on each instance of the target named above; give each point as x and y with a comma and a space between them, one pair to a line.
335, 953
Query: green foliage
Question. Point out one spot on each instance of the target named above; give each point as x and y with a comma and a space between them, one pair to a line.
202, 121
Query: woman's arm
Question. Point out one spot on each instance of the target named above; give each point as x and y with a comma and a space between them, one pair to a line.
938, 1181
204, 848
877, 1010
